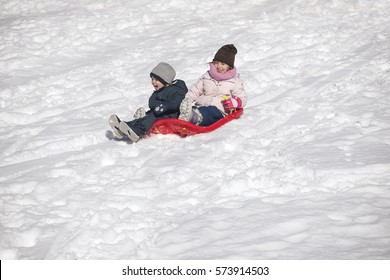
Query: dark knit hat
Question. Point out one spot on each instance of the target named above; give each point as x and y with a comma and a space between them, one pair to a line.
226, 54
164, 73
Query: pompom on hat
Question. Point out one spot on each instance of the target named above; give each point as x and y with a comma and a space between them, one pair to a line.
164, 73
226, 54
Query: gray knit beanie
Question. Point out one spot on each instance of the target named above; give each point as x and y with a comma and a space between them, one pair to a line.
164, 73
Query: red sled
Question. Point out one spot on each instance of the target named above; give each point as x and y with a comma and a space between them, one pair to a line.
183, 128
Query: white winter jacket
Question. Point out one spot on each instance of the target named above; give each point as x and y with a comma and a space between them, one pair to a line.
209, 92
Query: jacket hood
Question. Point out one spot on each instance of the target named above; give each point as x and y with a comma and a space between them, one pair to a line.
180, 84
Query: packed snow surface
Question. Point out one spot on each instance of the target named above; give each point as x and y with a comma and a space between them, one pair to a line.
303, 174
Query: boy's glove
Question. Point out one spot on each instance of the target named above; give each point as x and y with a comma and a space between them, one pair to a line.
232, 103
163, 108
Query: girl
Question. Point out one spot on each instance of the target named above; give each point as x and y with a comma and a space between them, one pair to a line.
217, 92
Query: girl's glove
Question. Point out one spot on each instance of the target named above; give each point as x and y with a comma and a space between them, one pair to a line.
232, 103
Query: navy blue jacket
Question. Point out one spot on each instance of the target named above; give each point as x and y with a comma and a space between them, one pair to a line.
171, 96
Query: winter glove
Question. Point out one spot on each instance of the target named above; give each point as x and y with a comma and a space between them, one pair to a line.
163, 108
232, 103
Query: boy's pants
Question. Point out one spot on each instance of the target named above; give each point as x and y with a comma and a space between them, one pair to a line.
141, 126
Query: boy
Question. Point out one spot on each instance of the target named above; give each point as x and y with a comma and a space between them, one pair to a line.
163, 103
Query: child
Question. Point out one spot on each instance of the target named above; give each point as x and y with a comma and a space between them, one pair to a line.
163, 103
217, 92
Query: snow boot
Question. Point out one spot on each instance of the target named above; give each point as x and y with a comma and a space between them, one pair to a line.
189, 113
114, 122
140, 113
126, 129
185, 109
197, 117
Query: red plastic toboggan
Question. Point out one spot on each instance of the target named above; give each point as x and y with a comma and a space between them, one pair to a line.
183, 128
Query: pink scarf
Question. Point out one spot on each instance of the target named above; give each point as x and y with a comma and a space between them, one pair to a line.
219, 76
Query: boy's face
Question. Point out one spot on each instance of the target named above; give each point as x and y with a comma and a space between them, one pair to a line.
221, 67
157, 84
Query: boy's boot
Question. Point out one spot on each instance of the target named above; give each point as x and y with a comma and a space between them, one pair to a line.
126, 129
114, 122
140, 113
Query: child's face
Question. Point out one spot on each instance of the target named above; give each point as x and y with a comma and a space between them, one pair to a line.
221, 67
157, 84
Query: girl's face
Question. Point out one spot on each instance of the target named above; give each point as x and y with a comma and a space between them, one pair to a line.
221, 67
157, 84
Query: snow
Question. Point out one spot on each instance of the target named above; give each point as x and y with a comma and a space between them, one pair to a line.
303, 174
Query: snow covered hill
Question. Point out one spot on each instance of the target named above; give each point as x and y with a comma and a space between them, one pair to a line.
303, 174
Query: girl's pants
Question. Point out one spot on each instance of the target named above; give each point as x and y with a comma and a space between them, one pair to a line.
210, 115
